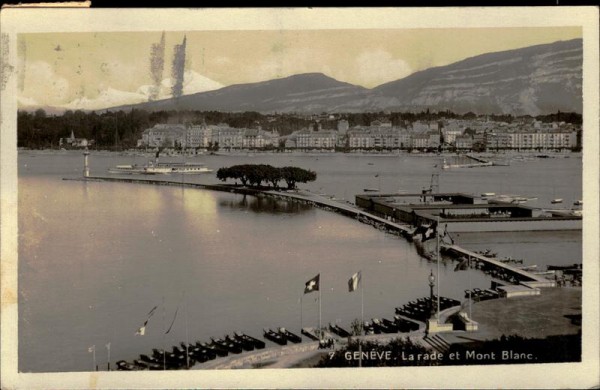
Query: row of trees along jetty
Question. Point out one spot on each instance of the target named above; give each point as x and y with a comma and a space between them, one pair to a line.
255, 174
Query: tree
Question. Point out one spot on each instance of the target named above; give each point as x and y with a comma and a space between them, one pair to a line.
293, 175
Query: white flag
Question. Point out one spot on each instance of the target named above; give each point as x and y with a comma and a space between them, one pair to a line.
92, 348
141, 331
354, 281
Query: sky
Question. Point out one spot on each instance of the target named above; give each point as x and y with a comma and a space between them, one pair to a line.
84, 70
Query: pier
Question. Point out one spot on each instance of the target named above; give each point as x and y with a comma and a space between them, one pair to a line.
525, 278
308, 197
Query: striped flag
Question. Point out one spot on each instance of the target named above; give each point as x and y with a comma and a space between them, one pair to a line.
312, 285
354, 281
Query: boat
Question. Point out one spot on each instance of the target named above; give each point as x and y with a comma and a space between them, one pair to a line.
311, 333
380, 327
557, 200
258, 344
246, 345
229, 346
161, 168
578, 203
275, 337
564, 267
371, 189
125, 366
213, 348
290, 336
486, 195
338, 330
405, 325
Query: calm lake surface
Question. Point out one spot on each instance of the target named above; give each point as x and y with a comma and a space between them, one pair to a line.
95, 258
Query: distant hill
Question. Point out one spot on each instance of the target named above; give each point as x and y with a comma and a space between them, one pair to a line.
309, 92
534, 80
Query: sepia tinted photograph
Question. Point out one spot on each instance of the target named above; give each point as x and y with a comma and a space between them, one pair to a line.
278, 198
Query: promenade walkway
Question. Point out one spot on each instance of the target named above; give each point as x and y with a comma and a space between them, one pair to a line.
532, 280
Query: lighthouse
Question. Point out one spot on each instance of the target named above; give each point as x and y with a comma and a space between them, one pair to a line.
86, 153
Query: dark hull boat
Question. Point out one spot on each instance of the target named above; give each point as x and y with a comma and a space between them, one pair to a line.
338, 330
380, 327
405, 325
275, 337
258, 344
290, 336
213, 348
310, 333
244, 345
231, 347
247, 344
125, 366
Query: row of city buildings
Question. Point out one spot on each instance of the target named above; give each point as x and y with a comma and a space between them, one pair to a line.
458, 134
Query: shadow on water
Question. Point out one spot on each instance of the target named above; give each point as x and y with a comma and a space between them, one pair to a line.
264, 205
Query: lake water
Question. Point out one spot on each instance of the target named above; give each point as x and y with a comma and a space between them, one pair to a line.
95, 258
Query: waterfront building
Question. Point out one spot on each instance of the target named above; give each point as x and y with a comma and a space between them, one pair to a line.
163, 135
464, 142
343, 126
75, 142
451, 134
258, 139
323, 139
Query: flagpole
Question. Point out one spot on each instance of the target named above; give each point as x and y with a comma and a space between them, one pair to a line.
438, 268
94, 357
301, 296
187, 342
163, 336
108, 358
320, 330
470, 300
362, 316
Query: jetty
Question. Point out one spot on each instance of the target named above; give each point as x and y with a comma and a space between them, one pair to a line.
317, 200
524, 277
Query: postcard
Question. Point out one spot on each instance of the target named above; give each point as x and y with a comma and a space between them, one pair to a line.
288, 197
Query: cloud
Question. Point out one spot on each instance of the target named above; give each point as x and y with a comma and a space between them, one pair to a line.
286, 62
193, 82
42, 84
375, 67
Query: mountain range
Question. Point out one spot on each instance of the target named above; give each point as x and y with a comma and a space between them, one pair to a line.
534, 80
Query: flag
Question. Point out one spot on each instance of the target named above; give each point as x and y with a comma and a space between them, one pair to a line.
463, 265
141, 331
172, 322
108, 346
354, 281
92, 349
430, 232
446, 234
312, 285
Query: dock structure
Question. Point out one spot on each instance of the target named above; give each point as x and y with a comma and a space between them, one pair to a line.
344, 208
525, 278
462, 212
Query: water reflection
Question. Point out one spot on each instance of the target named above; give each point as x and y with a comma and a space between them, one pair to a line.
263, 204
